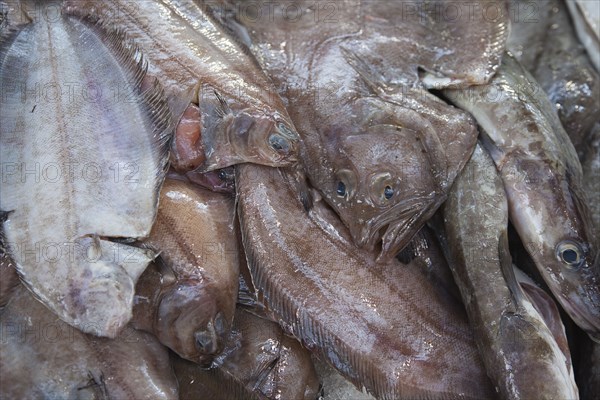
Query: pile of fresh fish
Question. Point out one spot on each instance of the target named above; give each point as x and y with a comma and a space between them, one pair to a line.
354, 199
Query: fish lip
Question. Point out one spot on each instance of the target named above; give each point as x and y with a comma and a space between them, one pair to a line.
577, 311
367, 235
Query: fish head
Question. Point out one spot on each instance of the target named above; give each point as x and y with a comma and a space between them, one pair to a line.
264, 138
220, 180
563, 244
381, 185
189, 321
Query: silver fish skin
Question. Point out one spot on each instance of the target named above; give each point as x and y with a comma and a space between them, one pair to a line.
382, 326
79, 167
360, 85
196, 237
559, 63
259, 362
590, 165
586, 18
241, 116
543, 181
42, 357
520, 352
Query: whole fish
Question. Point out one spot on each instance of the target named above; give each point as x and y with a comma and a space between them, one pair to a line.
560, 65
520, 352
229, 108
195, 235
42, 357
383, 326
586, 17
380, 148
259, 362
83, 152
543, 182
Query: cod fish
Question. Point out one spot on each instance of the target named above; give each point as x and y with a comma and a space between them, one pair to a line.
194, 233
542, 177
227, 108
259, 362
379, 147
521, 355
84, 153
382, 326
586, 17
42, 357
559, 64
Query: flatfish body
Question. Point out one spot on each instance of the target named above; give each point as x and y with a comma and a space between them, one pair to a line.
84, 152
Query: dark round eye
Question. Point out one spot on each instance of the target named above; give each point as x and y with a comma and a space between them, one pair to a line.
279, 143
388, 192
570, 253
341, 189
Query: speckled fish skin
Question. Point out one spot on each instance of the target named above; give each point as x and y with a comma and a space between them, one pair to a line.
42, 357
242, 117
586, 18
259, 362
195, 235
380, 148
381, 326
542, 177
519, 350
79, 170
546, 45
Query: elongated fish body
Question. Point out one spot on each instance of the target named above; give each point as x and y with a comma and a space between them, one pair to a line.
520, 352
259, 362
336, 387
586, 18
42, 357
382, 326
542, 178
195, 235
560, 65
81, 163
381, 149
242, 119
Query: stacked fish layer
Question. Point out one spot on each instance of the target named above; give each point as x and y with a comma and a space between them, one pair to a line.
299, 200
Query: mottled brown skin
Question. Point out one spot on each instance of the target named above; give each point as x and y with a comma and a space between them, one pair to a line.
259, 362
383, 326
43, 357
379, 147
559, 62
194, 233
205, 71
519, 350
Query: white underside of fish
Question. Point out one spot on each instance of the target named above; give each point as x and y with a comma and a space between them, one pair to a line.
82, 161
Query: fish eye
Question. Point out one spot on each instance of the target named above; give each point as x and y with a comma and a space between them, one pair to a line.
285, 130
279, 144
570, 254
382, 188
341, 189
388, 192
346, 183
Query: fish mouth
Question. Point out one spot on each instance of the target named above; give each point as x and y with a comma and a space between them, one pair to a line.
587, 317
389, 227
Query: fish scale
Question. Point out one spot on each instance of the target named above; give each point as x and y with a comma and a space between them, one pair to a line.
84, 155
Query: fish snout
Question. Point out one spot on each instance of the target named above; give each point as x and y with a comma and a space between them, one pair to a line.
189, 322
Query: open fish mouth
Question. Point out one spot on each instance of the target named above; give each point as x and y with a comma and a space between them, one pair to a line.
392, 226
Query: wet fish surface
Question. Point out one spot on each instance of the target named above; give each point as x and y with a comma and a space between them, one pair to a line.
229, 107
542, 177
378, 146
586, 18
259, 362
42, 357
195, 235
519, 350
382, 326
81, 164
